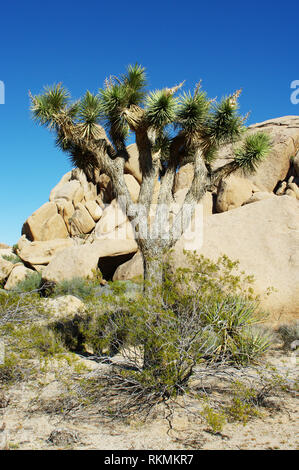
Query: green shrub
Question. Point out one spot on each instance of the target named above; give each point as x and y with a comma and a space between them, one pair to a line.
23, 337
244, 403
77, 286
71, 331
10, 370
18, 307
15, 247
206, 314
31, 283
215, 419
12, 258
84, 289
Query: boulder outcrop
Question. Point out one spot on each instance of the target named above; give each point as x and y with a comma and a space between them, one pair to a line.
284, 135
18, 274
41, 252
264, 237
5, 269
130, 269
233, 192
82, 261
45, 224
251, 218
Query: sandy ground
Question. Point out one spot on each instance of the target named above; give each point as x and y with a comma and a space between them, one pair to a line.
26, 425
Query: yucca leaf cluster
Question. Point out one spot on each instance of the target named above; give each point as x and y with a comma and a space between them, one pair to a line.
125, 105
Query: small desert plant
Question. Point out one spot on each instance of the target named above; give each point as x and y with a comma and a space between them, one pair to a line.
10, 370
24, 337
251, 343
31, 283
12, 258
15, 247
19, 307
77, 286
244, 403
214, 419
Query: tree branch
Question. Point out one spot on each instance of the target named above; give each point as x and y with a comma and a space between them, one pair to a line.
199, 186
222, 172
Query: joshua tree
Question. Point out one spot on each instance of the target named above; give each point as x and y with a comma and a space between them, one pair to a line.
170, 130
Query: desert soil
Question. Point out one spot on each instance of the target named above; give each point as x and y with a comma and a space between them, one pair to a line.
28, 425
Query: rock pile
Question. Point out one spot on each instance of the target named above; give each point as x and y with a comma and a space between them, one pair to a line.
251, 218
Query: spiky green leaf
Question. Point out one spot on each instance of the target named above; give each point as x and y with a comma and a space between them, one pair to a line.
161, 108
192, 112
134, 82
225, 124
112, 101
253, 151
46, 107
89, 113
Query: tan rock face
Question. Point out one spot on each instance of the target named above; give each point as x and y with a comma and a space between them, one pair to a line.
23, 241
132, 165
64, 306
65, 179
206, 201
66, 210
94, 210
233, 192
5, 269
289, 188
6, 252
18, 274
133, 187
81, 221
39, 267
4, 246
259, 196
131, 269
89, 189
71, 191
41, 252
74, 187
264, 237
156, 191
111, 218
45, 224
184, 177
91, 193
81, 261
293, 187
284, 133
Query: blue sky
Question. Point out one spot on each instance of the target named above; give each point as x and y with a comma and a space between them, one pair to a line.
229, 45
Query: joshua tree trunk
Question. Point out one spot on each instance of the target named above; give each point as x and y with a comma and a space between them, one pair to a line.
153, 274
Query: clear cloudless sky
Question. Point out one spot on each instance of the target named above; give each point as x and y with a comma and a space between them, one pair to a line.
228, 44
